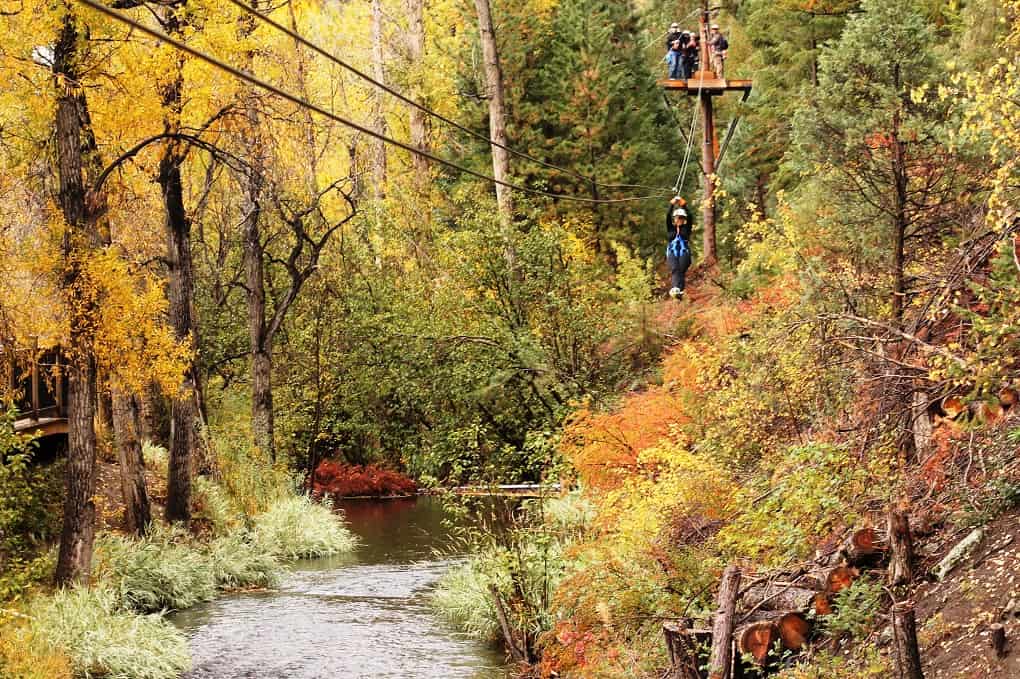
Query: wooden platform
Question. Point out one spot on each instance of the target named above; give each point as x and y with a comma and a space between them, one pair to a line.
44, 426
709, 85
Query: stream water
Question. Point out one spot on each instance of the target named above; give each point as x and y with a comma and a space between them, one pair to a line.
363, 615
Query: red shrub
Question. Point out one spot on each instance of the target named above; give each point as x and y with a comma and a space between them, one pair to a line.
338, 479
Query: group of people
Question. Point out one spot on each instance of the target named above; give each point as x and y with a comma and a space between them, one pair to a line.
684, 51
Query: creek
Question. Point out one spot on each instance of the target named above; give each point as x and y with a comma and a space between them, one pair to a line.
360, 615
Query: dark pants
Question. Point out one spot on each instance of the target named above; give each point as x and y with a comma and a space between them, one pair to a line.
678, 269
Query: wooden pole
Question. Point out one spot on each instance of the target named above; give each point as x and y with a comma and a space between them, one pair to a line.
35, 379
908, 656
722, 630
901, 561
708, 164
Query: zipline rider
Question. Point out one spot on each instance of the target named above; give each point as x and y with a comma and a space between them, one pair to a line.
678, 252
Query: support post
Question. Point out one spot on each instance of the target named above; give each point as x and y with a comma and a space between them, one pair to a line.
901, 561
722, 630
708, 164
35, 379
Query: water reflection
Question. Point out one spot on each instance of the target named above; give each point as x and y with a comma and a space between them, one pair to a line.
364, 615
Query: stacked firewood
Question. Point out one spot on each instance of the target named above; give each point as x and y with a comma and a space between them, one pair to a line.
773, 612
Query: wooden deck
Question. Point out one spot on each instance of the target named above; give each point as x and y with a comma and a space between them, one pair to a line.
710, 85
44, 426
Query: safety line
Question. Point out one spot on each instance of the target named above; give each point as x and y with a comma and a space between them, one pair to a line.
294, 99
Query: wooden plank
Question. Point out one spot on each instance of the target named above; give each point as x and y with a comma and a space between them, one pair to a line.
712, 86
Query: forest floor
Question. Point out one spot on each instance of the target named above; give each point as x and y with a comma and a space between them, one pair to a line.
110, 497
955, 615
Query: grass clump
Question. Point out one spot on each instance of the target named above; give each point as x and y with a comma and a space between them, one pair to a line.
101, 640
161, 571
463, 599
239, 560
25, 654
298, 528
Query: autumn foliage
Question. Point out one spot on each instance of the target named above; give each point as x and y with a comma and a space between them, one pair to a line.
337, 479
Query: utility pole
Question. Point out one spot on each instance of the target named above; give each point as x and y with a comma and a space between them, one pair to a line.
705, 84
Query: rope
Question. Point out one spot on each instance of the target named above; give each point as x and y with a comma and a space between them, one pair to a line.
298, 101
682, 177
410, 102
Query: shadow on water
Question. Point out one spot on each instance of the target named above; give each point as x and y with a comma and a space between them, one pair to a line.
359, 615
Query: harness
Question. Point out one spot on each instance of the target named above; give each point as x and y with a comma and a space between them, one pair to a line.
677, 247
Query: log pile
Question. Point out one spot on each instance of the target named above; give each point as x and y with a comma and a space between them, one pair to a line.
773, 617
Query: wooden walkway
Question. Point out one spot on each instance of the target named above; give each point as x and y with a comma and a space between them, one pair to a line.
39, 387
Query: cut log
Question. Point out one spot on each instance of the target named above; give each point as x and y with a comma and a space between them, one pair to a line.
757, 639
779, 597
720, 659
794, 630
953, 406
683, 651
1008, 397
823, 604
908, 657
958, 553
840, 578
901, 561
863, 548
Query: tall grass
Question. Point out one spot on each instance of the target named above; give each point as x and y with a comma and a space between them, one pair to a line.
298, 528
102, 640
240, 560
463, 599
161, 571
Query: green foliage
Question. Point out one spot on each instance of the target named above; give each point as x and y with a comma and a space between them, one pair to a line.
104, 641
522, 557
855, 609
812, 490
868, 663
299, 528
248, 477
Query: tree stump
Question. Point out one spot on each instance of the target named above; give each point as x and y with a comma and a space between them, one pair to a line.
757, 639
908, 656
998, 640
683, 651
720, 658
863, 548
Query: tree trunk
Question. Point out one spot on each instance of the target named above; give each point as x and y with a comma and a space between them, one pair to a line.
908, 657
155, 419
899, 169
378, 112
720, 658
497, 112
81, 237
185, 417
137, 513
901, 561
921, 423
516, 652
417, 119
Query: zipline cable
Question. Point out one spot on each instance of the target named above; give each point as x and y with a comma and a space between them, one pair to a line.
298, 101
681, 178
410, 102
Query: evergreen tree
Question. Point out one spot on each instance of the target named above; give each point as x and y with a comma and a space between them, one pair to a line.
592, 105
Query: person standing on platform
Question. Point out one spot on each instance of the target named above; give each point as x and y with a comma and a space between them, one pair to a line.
691, 50
675, 58
718, 45
674, 34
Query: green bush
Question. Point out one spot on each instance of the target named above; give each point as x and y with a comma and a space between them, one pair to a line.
855, 609
104, 641
297, 528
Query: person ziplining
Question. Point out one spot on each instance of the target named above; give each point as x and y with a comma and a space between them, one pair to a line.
678, 251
